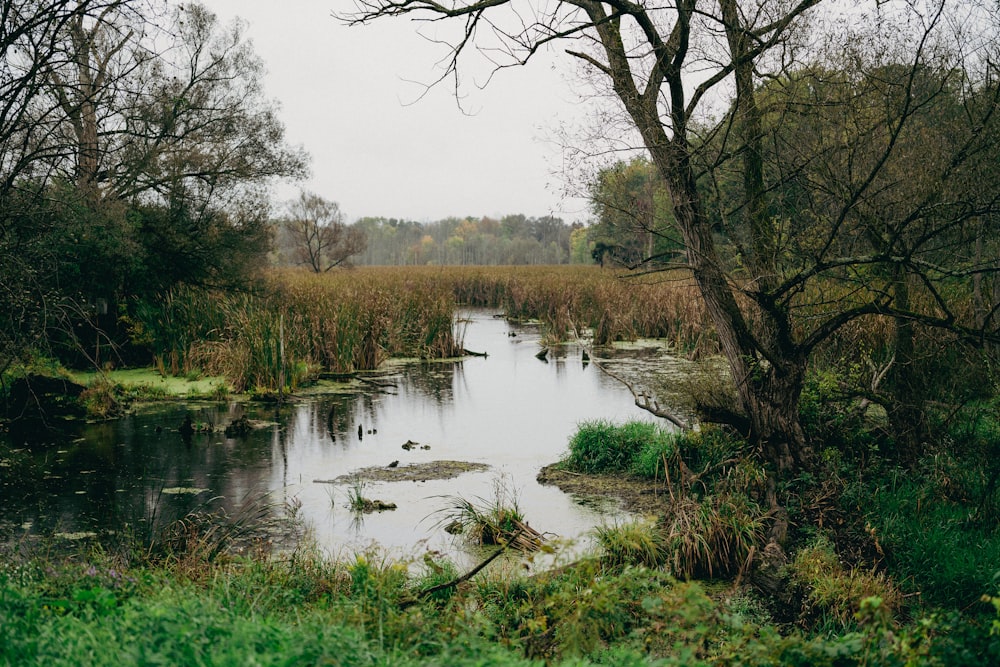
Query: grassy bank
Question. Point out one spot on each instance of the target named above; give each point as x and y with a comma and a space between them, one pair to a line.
914, 549
304, 609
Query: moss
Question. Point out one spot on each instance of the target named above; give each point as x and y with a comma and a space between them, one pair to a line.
155, 384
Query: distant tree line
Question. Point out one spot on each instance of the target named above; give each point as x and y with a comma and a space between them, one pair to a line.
510, 240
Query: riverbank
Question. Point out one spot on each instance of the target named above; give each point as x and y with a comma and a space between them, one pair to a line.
301, 608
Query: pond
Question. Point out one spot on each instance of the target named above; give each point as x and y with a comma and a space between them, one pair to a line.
509, 411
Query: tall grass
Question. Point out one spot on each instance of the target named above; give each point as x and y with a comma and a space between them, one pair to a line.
353, 320
299, 324
571, 299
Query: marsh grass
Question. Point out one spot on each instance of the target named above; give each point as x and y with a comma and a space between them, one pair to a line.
712, 525
205, 533
836, 592
298, 325
600, 446
635, 543
715, 536
356, 500
495, 521
569, 300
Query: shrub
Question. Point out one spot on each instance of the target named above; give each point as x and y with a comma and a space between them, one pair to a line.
834, 592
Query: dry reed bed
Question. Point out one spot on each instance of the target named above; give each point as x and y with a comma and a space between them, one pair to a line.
298, 324
570, 299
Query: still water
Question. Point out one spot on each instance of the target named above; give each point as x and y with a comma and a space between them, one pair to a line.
509, 411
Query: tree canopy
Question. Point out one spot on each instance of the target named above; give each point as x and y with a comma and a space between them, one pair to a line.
514, 239
137, 150
851, 171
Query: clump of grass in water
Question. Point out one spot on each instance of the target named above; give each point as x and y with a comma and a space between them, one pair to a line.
357, 502
602, 447
495, 521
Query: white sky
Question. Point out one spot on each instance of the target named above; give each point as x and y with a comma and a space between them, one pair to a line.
344, 95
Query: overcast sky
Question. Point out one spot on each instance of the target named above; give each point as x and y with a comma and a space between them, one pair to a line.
347, 95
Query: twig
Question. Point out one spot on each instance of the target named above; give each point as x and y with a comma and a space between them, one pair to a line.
465, 577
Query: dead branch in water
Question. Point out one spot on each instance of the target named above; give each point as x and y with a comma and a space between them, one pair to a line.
642, 400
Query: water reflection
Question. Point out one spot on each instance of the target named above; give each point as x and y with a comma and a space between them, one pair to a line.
509, 410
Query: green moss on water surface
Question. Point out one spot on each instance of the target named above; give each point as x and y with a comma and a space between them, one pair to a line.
149, 382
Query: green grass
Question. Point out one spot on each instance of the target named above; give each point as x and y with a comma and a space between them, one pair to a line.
600, 446
933, 544
301, 608
635, 543
151, 382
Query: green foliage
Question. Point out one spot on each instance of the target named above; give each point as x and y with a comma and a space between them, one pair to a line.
512, 240
836, 593
635, 543
929, 533
829, 412
600, 446
304, 609
634, 215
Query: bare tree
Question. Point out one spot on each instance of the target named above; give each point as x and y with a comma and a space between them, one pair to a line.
665, 62
319, 235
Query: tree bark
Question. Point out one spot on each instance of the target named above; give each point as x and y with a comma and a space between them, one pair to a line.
906, 414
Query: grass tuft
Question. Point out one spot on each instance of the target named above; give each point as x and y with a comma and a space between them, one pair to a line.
491, 522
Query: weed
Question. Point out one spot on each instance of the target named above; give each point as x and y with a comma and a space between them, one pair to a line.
635, 543
835, 592
495, 521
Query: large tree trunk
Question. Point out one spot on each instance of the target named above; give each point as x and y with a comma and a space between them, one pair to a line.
766, 367
84, 116
769, 379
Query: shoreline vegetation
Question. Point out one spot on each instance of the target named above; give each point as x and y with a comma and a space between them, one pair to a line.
885, 562
296, 327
